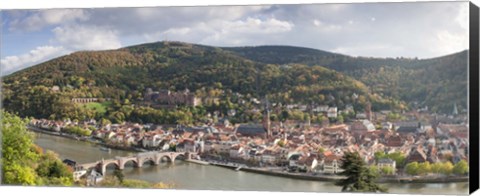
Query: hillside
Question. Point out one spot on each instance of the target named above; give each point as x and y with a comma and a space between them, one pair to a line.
438, 83
124, 74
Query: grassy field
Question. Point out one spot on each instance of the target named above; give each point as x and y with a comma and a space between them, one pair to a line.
99, 107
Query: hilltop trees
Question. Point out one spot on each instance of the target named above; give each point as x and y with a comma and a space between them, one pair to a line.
360, 178
124, 74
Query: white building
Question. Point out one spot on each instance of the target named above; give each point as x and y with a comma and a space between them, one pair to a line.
332, 112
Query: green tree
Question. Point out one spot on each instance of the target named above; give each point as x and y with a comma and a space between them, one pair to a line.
281, 143
340, 119
360, 178
119, 175
424, 168
398, 157
374, 170
436, 167
379, 155
321, 150
388, 170
17, 174
23, 163
105, 121
17, 156
446, 168
412, 168
460, 168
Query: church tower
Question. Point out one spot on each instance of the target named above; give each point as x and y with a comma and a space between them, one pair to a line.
368, 111
455, 109
266, 119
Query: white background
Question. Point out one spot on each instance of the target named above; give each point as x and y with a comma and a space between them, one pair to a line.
29, 4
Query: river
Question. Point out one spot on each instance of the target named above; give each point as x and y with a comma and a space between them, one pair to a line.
193, 176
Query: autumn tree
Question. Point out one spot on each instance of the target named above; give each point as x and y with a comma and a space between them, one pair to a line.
412, 168
461, 168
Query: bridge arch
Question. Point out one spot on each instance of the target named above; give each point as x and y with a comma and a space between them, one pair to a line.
180, 156
146, 160
163, 157
107, 163
124, 161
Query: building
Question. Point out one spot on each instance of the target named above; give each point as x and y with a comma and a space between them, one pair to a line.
417, 155
368, 111
332, 112
237, 152
266, 119
408, 127
394, 141
386, 162
331, 165
387, 125
169, 98
362, 126
85, 100
251, 130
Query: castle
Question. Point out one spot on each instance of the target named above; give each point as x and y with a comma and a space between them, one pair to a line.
168, 98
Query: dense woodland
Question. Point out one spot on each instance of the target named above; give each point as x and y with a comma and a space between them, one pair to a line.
286, 75
438, 82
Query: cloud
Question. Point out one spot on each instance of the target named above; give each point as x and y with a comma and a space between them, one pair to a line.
243, 32
366, 49
86, 37
326, 27
258, 26
427, 29
221, 32
14, 63
152, 20
39, 19
462, 17
447, 42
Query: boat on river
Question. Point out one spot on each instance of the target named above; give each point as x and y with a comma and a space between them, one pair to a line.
105, 149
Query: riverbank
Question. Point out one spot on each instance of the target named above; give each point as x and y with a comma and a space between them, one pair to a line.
89, 140
197, 161
190, 176
332, 178
303, 176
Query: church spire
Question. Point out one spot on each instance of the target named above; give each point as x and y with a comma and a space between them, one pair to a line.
266, 118
455, 109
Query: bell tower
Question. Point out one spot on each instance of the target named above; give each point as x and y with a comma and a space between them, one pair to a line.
266, 118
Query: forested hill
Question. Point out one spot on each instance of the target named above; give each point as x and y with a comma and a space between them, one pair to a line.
285, 74
437, 82
124, 74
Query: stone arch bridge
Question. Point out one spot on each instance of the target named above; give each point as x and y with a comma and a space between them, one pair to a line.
138, 160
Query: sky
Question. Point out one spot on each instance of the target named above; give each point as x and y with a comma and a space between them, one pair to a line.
420, 29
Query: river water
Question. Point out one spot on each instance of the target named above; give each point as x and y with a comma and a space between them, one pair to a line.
206, 177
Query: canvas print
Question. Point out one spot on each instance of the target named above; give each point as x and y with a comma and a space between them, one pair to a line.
361, 97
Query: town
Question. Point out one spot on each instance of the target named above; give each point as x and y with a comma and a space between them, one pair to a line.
418, 144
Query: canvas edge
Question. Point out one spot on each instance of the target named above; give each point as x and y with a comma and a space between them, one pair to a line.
474, 98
